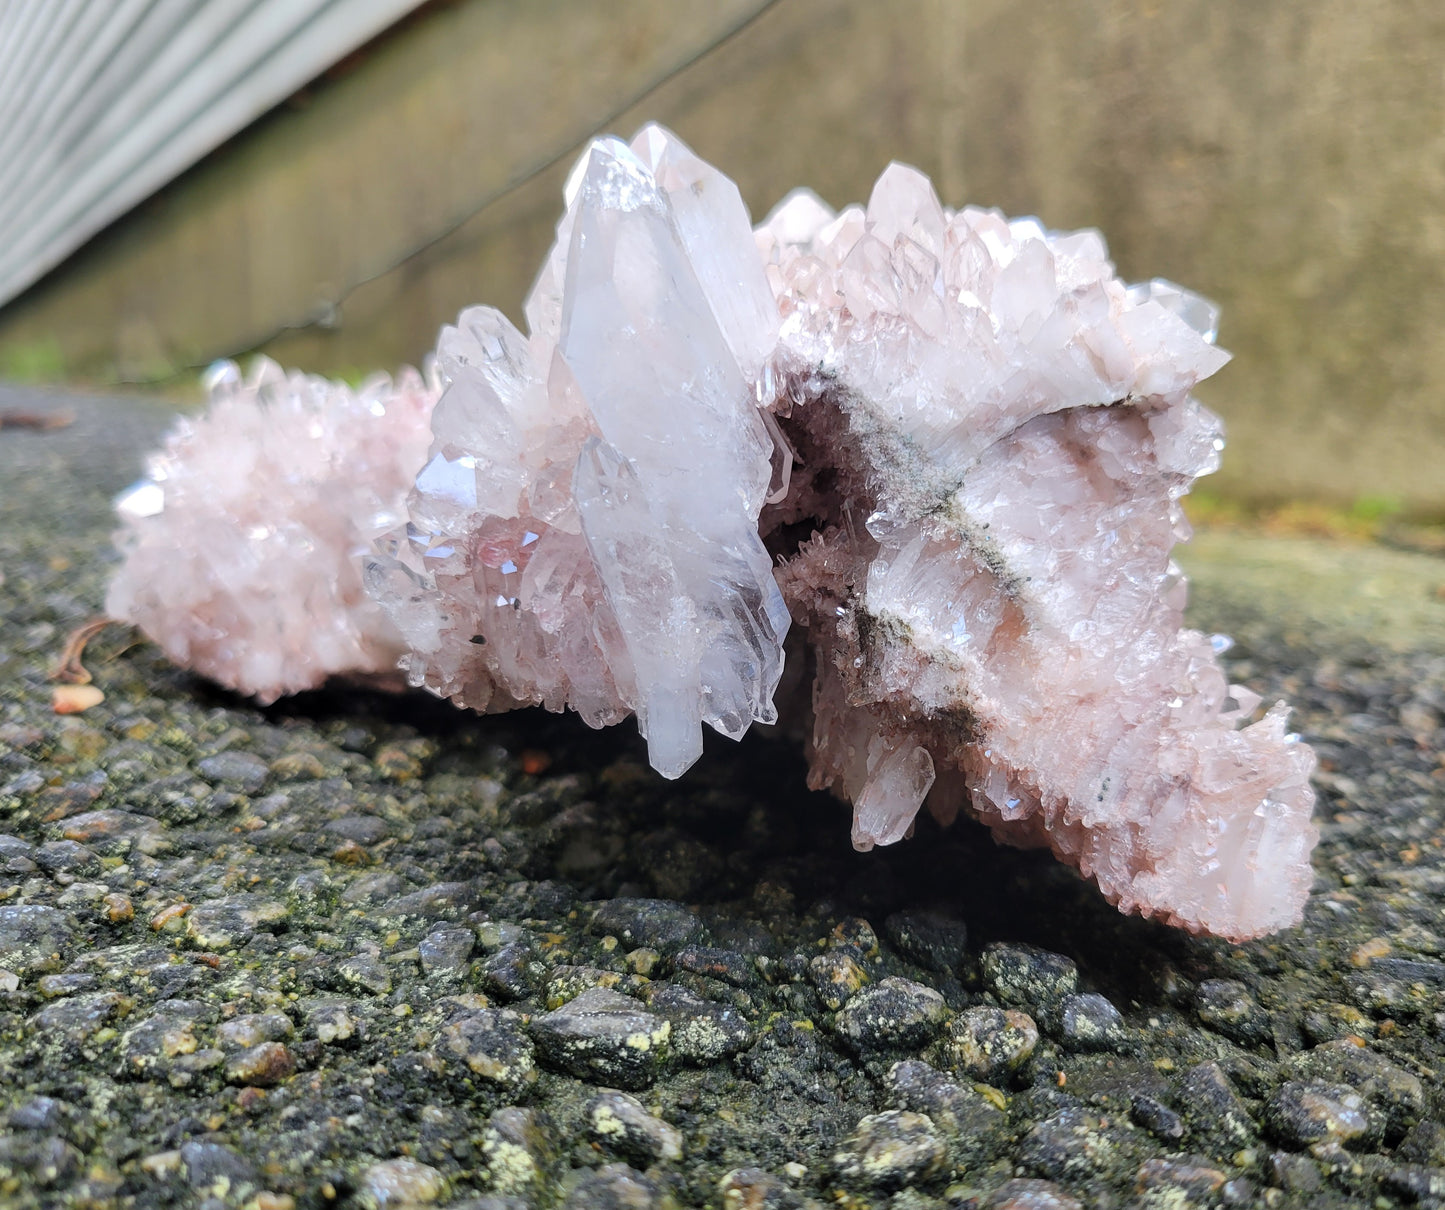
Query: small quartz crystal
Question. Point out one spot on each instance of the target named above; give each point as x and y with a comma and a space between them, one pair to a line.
931, 461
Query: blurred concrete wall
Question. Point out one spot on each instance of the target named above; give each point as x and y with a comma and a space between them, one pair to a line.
1287, 159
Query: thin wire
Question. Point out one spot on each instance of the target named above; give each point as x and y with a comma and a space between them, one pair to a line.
318, 316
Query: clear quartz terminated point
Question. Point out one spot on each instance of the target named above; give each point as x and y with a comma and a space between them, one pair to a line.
898, 781
1194, 309
674, 535
624, 433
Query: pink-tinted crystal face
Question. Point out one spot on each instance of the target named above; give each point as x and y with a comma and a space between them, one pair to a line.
242, 546
944, 450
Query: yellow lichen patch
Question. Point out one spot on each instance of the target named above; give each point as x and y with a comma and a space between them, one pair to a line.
647, 1040
510, 1167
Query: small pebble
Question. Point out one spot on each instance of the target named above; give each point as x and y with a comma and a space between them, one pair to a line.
1191, 1181
659, 924
620, 1124
513, 972
229, 923
1028, 977
1157, 1118
993, 1045
53, 986
66, 856
235, 770
446, 950
118, 908
359, 828
1023, 1193
1424, 1143
1212, 1109
891, 1150
715, 963
837, 977
263, 1066
615, 1187
1322, 1117
400, 762
758, 1189
1070, 1145
34, 938
1227, 1007
603, 1037
170, 918
975, 1128
1398, 1094
1089, 1022
216, 1168
12, 847
75, 699
251, 1029
703, 1031
1295, 1174
334, 1022
490, 1046
893, 1015
39, 1113
931, 939
519, 1151
366, 973
297, 766
400, 1184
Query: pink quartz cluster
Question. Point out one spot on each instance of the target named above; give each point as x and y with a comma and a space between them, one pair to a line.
931, 462
242, 546
994, 434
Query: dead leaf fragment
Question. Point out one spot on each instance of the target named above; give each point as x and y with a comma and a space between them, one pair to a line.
168, 914
72, 699
39, 421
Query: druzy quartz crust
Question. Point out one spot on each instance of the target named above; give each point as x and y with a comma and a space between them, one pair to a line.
242, 545
903, 479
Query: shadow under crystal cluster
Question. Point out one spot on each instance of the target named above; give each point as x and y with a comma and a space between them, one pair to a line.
913, 474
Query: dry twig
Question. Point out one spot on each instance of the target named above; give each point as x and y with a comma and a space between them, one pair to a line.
70, 670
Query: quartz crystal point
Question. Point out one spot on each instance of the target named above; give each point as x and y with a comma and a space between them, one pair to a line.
585, 533
242, 545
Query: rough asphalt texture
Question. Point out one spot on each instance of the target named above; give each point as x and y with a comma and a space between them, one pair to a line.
364, 951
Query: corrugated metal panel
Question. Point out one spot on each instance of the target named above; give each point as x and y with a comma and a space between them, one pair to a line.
104, 101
